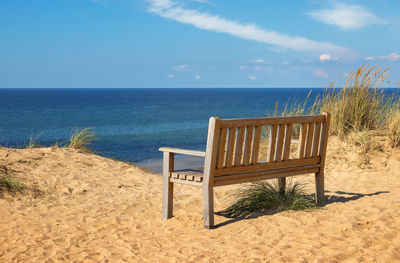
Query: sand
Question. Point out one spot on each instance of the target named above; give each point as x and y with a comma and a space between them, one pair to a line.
95, 209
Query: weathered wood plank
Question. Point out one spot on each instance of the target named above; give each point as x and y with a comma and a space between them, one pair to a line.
247, 147
279, 144
324, 138
244, 178
231, 147
288, 141
227, 123
272, 143
168, 187
209, 170
182, 151
194, 183
310, 139
267, 166
239, 147
256, 145
302, 140
317, 137
222, 149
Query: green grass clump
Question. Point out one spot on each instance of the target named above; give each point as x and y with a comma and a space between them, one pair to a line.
8, 184
81, 139
263, 195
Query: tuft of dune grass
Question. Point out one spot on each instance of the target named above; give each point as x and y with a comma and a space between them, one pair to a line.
81, 139
33, 142
361, 104
8, 184
359, 107
393, 125
264, 195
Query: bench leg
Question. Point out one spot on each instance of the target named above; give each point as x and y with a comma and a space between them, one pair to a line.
208, 207
168, 192
319, 187
282, 183
168, 187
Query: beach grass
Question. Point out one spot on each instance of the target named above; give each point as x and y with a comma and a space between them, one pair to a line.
8, 184
361, 104
393, 125
359, 107
33, 142
81, 139
264, 195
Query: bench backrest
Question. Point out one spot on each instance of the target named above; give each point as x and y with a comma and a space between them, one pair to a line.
233, 144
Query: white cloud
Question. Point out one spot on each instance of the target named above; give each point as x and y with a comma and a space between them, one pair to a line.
263, 68
391, 57
172, 10
181, 68
320, 73
252, 77
326, 57
259, 68
346, 16
243, 67
197, 76
259, 61
171, 76
285, 63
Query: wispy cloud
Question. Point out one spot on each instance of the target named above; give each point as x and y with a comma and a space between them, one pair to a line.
181, 68
251, 77
171, 76
391, 57
173, 10
327, 57
259, 61
320, 73
348, 17
197, 76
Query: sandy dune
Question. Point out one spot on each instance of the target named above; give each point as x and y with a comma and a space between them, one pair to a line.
99, 210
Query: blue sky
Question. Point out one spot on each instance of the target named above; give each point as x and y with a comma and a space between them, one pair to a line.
193, 43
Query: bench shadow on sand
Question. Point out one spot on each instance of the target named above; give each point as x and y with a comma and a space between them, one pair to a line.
332, 197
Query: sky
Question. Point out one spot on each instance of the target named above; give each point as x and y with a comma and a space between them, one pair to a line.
194, 43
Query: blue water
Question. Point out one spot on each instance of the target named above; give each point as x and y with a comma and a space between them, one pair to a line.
130, 124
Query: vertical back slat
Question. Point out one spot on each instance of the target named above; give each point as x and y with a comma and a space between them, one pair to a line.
231, 146
310, 136
302, 139
324, 138
256, 145
272, 143
279, 146
239, 147
222, 149
317, 137
247, 146
288, 141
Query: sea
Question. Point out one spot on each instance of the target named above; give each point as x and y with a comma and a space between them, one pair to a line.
131, 124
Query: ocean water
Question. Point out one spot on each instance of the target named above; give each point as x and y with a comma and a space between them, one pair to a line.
131, 124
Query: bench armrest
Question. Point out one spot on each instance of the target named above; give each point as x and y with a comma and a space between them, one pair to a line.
182, 151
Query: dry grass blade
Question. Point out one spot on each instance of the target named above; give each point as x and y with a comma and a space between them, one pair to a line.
81, 139
8, 184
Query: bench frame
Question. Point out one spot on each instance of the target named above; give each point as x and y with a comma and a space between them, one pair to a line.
231, 156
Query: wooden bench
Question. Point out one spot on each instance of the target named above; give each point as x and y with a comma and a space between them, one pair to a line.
232, 156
